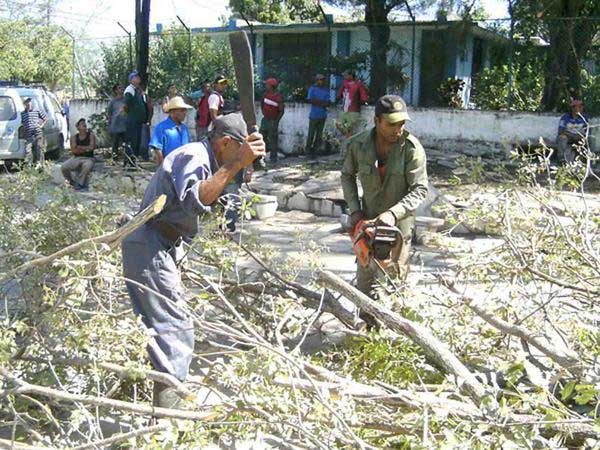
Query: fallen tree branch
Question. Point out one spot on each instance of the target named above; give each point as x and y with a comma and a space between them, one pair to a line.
402, 397
124, 372
15, 445
420, 335
122, 437
569, 359
329, 304
112, 239
158, 412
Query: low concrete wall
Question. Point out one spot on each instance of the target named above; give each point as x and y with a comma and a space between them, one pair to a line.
458, 131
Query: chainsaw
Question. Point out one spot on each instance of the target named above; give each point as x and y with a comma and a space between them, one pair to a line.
375, 241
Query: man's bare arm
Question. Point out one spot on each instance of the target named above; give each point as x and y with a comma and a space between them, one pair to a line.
210, 190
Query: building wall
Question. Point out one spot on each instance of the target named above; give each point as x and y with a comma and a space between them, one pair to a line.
450, 130
403, 36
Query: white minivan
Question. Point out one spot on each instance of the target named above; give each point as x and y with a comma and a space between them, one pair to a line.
13, 146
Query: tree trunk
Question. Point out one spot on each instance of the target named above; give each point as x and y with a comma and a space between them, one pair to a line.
379, 31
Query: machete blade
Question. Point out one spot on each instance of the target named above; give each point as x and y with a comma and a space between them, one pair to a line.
244, 74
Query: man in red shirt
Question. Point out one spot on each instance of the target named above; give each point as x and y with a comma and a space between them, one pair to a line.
272, 109
353, 95
202, 113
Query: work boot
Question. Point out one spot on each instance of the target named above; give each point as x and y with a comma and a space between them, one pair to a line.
165, 396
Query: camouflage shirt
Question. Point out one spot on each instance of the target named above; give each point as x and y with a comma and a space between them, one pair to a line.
403, 188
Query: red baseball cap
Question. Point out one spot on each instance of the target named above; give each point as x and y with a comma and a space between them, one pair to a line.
272, 82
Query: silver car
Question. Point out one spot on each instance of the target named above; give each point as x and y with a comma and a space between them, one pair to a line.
13, 146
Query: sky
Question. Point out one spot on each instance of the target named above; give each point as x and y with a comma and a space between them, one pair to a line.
98, 18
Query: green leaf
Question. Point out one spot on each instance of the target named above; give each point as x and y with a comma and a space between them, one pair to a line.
567, 390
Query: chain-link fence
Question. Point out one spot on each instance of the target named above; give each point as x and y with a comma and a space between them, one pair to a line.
500, 64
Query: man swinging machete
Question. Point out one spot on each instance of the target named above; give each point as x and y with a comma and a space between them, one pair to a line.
192, 178
390, 164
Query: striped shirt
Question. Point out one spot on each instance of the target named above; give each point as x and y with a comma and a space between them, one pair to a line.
31, 121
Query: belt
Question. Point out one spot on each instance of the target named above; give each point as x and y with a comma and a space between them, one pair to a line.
168, 231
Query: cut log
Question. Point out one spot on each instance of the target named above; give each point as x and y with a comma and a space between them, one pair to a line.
420, 335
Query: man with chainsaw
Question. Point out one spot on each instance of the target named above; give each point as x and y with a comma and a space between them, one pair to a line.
391, 166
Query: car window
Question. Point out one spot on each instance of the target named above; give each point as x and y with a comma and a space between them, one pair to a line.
8, 111
57, 108
48, 105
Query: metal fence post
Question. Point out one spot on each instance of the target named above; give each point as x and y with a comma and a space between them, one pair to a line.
189, 32
511, 55
130, 44
72, 60
412, 55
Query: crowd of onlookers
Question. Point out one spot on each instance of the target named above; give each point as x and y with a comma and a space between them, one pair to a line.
130, 111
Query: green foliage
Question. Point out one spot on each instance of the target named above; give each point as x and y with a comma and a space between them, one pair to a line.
591, 92
491, 89
276, 11
169, 63
399, 362
451, 92
33, 52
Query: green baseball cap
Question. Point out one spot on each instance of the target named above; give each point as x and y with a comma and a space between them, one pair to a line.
393, 108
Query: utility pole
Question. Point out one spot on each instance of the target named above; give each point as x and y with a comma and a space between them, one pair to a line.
48, 13
142, 36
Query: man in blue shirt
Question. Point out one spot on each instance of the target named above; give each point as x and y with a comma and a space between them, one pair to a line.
172, 132
193, 178
572, 131
318, 96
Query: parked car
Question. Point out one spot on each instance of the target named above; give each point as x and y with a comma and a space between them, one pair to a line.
13, 146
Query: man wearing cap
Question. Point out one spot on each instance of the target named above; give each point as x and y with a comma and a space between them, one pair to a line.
192, 178
136, 114
216, 102
353, 95
318, 96
390, 164
272, 109
172, 132
572, 131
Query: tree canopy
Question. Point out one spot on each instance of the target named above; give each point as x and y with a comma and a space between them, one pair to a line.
569, 27
276, 11
34, 53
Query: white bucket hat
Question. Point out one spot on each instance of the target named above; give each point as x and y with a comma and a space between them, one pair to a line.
176, 103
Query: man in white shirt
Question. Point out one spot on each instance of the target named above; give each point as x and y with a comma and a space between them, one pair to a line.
216, 100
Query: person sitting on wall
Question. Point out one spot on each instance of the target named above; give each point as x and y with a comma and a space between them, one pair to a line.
77, 170
573, 132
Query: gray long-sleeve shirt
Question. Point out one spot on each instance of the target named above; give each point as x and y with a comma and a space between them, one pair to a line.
179, 178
